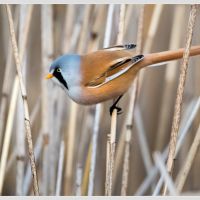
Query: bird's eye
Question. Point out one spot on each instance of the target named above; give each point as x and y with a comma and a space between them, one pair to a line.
58, 70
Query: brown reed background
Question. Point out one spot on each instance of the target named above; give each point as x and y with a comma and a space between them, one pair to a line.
71, 141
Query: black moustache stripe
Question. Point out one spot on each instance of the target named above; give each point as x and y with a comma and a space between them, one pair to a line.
59, 76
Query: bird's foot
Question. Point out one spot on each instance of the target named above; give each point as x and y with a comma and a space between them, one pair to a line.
119, 110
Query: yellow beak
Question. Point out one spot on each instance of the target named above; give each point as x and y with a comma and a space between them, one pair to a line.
48, 76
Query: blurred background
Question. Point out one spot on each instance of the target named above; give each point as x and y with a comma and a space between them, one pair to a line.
70, 141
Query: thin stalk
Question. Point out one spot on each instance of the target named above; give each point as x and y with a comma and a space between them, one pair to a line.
13, 101
20, 139
120, 147
153, 27
83, 150
28, 175
79, 175
68, 27
97, 120
6, 84
12, 157
145, 151
7, 137
158, 186
113, 128
93, 43
155, 19
98, 110
74, 107
182, 175
129, 120
170, 76
106, 44
46, 102
163, 171
85, 180
180, 90
60, 169
111, 151
25, 103
183, 133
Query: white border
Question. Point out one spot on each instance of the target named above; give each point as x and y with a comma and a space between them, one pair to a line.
99, 2
99, 197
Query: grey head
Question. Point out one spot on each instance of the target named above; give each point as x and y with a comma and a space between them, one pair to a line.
66, 69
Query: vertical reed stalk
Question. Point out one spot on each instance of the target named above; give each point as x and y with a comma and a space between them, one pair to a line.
6, 85
74, 107
47, 52
170, 76
13, 101
113, 128
153, 27
20, 142
129, 120
60, 168
97, 119
106, 44
180, 90
25, 103
28, 175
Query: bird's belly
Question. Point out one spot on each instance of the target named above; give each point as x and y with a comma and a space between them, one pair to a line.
87, 95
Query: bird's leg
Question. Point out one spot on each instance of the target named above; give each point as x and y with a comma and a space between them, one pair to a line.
116, 107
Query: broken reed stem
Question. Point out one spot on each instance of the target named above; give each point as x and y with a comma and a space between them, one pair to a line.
107, 163
106, 43
179, 97
129, 122
182, 175
25, 103
111, 151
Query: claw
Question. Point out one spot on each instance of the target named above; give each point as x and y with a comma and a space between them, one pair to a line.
119, 110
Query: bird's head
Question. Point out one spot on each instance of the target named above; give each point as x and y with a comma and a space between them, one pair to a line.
65, 68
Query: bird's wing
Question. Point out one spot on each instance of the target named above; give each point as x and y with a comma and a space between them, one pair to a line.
121, 47
121, 66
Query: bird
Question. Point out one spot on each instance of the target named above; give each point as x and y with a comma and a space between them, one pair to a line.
107, 73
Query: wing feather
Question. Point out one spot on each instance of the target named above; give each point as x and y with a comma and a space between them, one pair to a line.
121, 66
121, 47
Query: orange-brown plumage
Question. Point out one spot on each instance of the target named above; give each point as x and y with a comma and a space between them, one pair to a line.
108, 73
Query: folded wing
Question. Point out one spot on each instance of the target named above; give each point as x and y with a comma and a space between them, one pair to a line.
121, 66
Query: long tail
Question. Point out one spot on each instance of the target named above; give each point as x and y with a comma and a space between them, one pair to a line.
154, 58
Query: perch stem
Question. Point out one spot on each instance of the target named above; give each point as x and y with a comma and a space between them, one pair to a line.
25, 103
